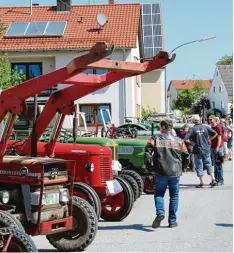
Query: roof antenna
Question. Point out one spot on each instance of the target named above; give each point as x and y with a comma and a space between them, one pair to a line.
30, 7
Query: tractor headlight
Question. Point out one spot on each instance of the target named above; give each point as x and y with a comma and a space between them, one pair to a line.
64, 195
4, 197
89, 167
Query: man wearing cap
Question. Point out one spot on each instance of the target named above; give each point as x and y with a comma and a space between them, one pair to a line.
199, 136
217, 150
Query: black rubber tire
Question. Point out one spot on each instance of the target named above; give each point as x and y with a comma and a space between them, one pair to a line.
83, 213
20, 240
91, 196
137, 177
128, 202
8, 220
133, 184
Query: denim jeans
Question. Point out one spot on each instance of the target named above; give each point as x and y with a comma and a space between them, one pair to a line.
161, 184
217, 162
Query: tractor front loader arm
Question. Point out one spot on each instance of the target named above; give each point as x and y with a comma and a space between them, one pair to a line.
62, 101
12, 100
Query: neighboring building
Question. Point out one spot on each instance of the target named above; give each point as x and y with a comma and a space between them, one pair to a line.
221, 92
176, 86
153, 87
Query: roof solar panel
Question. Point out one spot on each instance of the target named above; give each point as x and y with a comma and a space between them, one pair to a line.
17, 29
152, 29
55, 28
36, 28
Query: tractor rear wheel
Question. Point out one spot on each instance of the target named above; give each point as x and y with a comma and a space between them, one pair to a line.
133, 184
15, 240
118, 207
8, 220
136, 176
87, 193
85, 226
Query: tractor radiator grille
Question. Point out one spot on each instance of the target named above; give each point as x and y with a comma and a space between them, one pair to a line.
106, 169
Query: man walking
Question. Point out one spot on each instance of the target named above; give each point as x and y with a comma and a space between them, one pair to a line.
200, 136
164, 154
217, 152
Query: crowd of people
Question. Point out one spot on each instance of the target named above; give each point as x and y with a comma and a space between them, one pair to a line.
206, 145
209, 145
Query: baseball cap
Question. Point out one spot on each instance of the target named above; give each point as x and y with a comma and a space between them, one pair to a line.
196, 118
212, 117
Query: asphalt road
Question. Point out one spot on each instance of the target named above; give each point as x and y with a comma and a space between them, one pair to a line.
205, 220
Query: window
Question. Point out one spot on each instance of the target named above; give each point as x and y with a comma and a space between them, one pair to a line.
213, 104
93, 115
32, 70
214, 89
95, 71
220, 89
222, 104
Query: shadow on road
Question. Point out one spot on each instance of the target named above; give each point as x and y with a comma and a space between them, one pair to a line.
227, 225
133, 226
48, 250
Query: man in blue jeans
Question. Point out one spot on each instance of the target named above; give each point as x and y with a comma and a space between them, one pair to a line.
199, 136
164, 154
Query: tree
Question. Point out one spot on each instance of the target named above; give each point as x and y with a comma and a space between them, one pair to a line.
9, 77
145, 113
184, 100
225, 60
231, 110
198, 88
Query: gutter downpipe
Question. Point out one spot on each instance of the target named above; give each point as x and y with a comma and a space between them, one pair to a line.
124, 88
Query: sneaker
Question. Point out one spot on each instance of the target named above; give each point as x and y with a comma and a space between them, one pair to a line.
220, 183
213, 183
200, 186
174, 225
157, 221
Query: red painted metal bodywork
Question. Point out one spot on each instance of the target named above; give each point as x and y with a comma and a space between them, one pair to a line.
13, 103
62, 101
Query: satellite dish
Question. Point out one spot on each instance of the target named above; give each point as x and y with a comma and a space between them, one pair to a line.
101, 19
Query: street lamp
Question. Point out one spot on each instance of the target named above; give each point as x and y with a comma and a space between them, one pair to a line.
193, 41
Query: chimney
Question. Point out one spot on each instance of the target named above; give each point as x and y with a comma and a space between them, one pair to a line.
111, 1
63, 5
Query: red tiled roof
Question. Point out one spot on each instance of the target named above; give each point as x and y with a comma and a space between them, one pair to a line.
122, 26
189, 84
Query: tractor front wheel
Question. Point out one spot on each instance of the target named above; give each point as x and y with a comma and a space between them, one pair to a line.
118, 207
85, 226
133, 184
87, 193
136, 176
15, 240
8, 220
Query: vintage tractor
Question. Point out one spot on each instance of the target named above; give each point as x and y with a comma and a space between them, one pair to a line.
36, 194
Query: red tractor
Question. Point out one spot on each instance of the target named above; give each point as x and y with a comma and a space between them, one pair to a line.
93, 163
36, 194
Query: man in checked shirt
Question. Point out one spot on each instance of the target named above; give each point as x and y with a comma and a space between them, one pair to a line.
164, 156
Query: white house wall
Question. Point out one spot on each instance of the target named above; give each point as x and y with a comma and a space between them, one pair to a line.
218, 96
173, 96
113, 94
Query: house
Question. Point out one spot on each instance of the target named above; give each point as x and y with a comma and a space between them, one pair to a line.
49, 37
176, 86
221, 91
45, 38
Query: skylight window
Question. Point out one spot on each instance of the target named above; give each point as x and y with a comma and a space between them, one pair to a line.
36, 29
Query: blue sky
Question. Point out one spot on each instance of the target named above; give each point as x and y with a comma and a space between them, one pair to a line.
184, 20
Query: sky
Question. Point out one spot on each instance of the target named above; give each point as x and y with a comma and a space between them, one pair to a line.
184, 21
